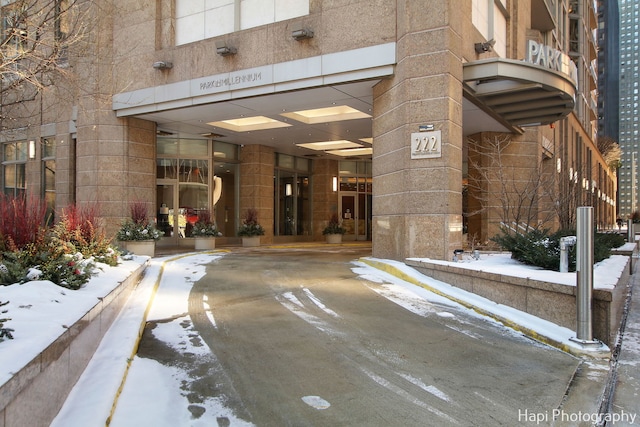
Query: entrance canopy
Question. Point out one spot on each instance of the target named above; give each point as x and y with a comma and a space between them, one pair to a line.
518, 93
313, 107
323, 105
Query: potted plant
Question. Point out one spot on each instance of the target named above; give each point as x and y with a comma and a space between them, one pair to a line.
334, 230
138, 232
250, 230
205, 231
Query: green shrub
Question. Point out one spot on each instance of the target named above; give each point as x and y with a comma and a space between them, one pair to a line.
541, 249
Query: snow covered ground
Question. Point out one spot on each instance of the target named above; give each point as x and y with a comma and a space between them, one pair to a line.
39, 311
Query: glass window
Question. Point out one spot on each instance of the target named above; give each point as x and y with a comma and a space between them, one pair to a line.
224, 150
194, 170
166, 168
302, 164
198, 20
194, 148
15, 151
348, 167
187, 184
167, 146
14, 167
48, 147
49, 177
285, 161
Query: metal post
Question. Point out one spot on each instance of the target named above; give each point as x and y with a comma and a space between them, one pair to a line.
631, 238
584, 268
565, 243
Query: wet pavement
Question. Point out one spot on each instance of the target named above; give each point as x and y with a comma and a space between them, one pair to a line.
284, 336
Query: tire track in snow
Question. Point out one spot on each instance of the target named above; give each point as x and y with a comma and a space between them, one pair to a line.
290, 301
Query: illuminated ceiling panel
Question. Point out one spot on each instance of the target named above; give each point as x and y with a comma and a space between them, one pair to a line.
247, 124
330, 145
352, 152
325, 115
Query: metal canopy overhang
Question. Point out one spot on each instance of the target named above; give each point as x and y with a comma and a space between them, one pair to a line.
518, 93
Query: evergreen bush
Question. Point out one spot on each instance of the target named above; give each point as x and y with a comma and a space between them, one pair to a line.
5, 332
541, 248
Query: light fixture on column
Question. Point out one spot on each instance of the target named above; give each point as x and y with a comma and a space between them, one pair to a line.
162, 65
287, 190
484, 46
334, 184
32, 149
223, 49
302, 33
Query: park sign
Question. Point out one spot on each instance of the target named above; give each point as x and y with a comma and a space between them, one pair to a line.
553, 59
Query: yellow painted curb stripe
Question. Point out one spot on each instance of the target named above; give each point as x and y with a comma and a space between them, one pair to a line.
394, 271
134, 351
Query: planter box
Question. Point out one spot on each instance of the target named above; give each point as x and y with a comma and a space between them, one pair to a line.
205, 243
141, 247
554, 302
334, 238
253, 241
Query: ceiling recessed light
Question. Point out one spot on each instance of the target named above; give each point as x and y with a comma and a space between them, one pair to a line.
325, 115
352, 152
247, 124
330, 145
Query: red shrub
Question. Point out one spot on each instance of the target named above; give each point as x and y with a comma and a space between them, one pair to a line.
83, 220
22, 220
139, 213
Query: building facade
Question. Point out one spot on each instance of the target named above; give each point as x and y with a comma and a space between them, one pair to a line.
629, 63
425, 125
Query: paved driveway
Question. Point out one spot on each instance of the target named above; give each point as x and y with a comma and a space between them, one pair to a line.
298, 339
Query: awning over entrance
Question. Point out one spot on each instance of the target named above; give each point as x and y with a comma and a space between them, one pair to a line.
519, 93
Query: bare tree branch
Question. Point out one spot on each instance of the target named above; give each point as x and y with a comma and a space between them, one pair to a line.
36, 38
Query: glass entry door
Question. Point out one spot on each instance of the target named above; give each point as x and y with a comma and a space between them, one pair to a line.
167, 220
176, 220
355, 212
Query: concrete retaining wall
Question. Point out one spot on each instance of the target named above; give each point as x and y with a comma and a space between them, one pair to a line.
35, 394
550, 301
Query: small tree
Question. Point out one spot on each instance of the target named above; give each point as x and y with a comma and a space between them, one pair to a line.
35, 45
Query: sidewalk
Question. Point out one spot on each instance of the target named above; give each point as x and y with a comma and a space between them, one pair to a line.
623, 398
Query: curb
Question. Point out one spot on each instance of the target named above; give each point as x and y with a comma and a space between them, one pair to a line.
601, 353
143, 323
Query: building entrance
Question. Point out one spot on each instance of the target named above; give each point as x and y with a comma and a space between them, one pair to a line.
355, 207
176, 220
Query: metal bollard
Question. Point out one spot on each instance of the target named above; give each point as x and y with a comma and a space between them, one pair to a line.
565, 243
584, 268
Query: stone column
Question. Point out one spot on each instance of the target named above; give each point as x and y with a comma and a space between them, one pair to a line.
325, 200
417, 203
256, 185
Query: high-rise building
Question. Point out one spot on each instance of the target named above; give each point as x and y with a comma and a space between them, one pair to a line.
629, 126
426, 126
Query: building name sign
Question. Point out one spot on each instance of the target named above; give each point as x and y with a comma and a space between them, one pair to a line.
553, 59
426, 145
234, 80
237, 80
